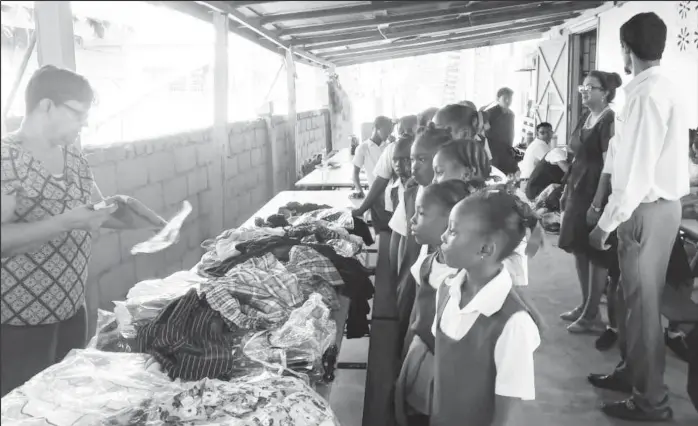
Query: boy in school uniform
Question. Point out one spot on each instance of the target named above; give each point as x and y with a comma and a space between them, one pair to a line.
366, 157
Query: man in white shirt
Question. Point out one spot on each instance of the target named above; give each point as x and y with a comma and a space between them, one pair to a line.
369, 151
366, 157
649, 176
536, 150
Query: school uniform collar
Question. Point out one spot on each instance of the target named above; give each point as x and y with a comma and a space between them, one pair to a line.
489, 300
396, 183
640, 78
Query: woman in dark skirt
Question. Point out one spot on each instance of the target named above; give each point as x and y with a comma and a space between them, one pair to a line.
589, 142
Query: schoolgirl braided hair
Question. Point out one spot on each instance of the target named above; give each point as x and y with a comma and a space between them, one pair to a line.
501, 210
470, 154
432, 136
451, 192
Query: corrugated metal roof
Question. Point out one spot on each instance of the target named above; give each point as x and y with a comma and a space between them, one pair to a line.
339, 33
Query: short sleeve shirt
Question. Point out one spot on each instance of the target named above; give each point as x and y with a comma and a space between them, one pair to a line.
366, 156
47, 284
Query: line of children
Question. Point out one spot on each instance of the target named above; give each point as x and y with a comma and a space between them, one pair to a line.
430, 221
458, 168
425, 146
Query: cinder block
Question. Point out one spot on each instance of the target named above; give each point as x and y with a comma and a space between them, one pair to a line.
185, 158
205, 202
193, 183
256, 157
106, 253
152, 196
148, 266
244, 161
175, 190
204, 154
175, 253
161, 166
131, 174
106, 178
231, 167
115, 284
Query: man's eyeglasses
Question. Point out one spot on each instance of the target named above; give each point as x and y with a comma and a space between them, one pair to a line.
587, 88
79, 114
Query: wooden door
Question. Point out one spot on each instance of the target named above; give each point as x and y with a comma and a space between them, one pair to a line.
552, 85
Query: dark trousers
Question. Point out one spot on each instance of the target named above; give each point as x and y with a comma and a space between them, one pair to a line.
645, 242
28, 350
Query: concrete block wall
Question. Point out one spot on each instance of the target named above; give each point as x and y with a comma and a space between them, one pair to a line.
163, 172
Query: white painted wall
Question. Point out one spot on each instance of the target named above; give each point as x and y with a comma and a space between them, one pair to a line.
681, 66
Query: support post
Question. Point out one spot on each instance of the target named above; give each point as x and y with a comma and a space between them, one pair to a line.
55, 37
220, 120
292, 116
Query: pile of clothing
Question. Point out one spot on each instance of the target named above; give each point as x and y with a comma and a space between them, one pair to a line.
91, 387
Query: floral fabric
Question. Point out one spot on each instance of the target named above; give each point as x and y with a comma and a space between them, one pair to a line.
275, 401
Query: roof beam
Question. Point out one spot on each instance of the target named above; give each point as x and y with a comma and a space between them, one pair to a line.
248, 3
468, 21
204, 13
406, 17
474, 36
480, 29
426, 51
374, 6
226, 7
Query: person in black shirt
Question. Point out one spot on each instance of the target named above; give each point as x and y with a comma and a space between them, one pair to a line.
501, 132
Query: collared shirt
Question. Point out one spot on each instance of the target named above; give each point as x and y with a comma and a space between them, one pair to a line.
533, 155
400, 222
439, 271
647, 156
393, 194
366, 156
45, 285
514, 349
384, 165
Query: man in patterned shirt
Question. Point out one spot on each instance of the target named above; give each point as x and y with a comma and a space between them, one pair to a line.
46, 240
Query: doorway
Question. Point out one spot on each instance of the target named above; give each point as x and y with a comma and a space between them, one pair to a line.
582, 61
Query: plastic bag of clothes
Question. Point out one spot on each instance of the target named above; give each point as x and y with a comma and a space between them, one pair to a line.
262, 400
108, 338
338, 217
86, 388
298, 344
147, 298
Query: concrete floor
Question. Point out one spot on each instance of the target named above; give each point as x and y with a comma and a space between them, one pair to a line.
563, 361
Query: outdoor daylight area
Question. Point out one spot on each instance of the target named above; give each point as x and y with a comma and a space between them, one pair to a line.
349, 213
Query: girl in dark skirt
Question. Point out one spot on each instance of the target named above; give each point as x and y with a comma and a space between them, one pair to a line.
413, 389
589, 142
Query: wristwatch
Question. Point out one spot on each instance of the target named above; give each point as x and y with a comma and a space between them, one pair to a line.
596, 209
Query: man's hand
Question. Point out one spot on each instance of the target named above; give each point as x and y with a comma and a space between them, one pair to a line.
597, 239
593, 216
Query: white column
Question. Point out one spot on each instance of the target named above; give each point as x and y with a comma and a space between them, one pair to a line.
292, 114
220, 118
55, 38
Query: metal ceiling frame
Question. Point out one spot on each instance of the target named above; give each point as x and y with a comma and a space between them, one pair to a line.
426, 27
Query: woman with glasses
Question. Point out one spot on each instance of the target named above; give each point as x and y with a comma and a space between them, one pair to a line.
581, 199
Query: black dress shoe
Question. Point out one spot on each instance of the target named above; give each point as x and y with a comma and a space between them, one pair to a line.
627, 410
610, 382
606, 340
